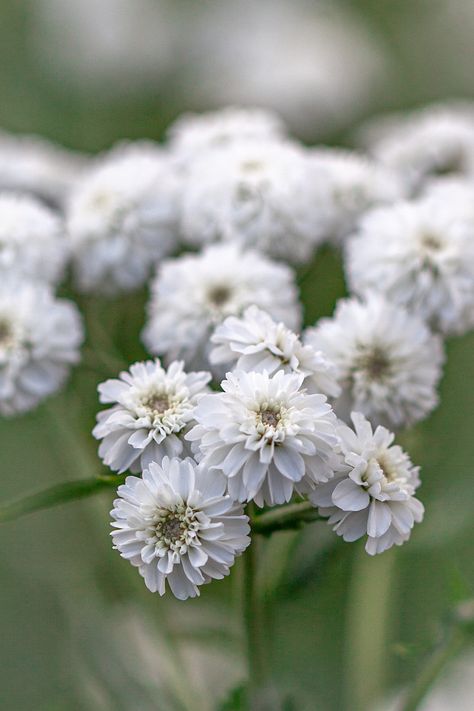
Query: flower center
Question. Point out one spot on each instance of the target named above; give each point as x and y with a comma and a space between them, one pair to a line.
176, 529
5, 332
431, 242
270, 418
171, 529
374, 363
157, 403
219, 295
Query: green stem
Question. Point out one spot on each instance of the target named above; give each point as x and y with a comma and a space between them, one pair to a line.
254, 626
285, 518
451, 646
58, 494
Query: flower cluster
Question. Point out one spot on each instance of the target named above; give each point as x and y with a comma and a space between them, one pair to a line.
239, 407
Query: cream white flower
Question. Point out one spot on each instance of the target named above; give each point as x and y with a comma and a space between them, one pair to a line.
316, 63
194, 134
262, 194
33, 165
419, 255
354, 184
32, 240
388, 362
376, 495
195, 292
152, 409
267, 435
426, 144
40, 337
177, 525
122, 218
255, 342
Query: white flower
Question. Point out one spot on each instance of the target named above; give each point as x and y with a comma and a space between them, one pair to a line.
32, 241
151, 411
194, 134
354, 184
376, 495
176, 525
33, 165
256, 342
262, 194
195, 292
316, 63
432, 142
388, 362
122, 218
267, 435
40, 338
420, 255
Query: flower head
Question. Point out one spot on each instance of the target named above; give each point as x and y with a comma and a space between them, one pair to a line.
192, 135
376, 495
176, 525
429, 143
267, 435
255, 342
40, 337
152, 409
32, 240
387, 360
419, 255
262, 194
122, 218
33, 165
353, 185
195, 292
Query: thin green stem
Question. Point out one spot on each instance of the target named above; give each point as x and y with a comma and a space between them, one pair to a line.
450, 647
254, 625
285, 518
58, 494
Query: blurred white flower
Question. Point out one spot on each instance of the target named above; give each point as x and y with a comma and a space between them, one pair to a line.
192, 135
419, 255
195, 292
267, 435
318, 64
376, 495
255, 342
425, 144
388, 362
264, 194
111, 47
151, 411
177, 525
40, 337
33, 244
33, 165
122, 218
353, 185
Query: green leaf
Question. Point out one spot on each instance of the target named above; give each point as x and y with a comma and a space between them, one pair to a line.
58, 494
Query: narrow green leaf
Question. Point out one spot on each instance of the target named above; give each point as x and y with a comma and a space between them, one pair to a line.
58, 494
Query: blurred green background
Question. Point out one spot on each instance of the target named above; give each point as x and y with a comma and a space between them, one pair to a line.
78, 628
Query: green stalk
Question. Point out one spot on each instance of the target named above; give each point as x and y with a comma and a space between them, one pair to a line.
284, 518
448, 650
254, 626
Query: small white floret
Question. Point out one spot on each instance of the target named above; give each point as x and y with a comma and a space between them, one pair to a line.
375, 497
177, 526
192, 294
255, 342
152, 409
267, 435
388, 362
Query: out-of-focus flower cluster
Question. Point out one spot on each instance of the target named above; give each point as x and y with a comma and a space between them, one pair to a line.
239, 404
